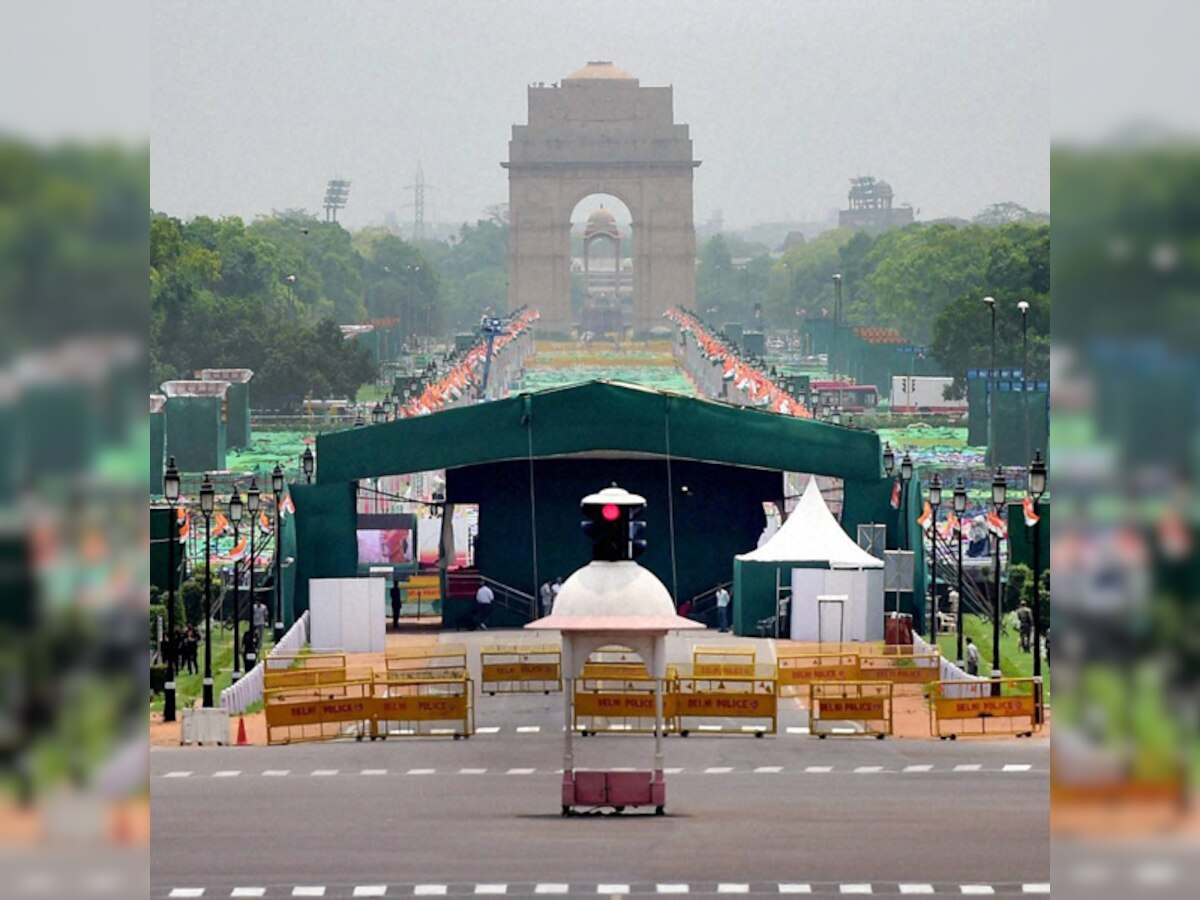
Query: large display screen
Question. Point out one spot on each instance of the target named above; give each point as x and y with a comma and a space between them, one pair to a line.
386, 540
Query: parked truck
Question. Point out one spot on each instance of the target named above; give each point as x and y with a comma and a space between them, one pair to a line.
924, 394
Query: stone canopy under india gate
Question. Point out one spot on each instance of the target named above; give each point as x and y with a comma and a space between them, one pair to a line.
599, 131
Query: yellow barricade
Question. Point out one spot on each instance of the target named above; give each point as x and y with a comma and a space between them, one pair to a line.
296, 715
911, 669
697, 694
520, 669
718, 660
626, 706
426, 656
992, 706
425, 705
306, 661
795, 671
868, 703
278, 679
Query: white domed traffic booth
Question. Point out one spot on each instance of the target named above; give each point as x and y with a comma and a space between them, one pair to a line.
602, 605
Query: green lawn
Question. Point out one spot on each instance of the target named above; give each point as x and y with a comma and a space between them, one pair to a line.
1012, 661
190, 688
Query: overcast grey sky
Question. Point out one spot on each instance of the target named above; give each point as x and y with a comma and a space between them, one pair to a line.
256, 105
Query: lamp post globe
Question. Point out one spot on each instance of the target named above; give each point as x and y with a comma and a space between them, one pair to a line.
308, 462
207, 500
906, 468
171, 493
889, 459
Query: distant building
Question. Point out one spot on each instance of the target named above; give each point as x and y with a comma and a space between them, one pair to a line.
871, 207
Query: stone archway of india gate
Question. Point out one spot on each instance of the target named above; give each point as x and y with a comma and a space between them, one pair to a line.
600, 132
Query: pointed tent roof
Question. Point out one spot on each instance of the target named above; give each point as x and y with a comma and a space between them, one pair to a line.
812, 535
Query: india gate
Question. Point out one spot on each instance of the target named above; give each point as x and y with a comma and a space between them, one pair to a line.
600, 132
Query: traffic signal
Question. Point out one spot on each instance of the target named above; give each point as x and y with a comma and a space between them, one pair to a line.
609, 524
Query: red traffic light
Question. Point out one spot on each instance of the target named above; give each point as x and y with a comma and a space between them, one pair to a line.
611, 512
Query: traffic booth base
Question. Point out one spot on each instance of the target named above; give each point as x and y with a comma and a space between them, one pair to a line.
589, 791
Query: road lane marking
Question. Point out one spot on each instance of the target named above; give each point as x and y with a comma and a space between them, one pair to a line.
421, 772
797, 729
677, 770
1041, 888
277, 773
308, 891
612, 889
968, 767
922, 768
1017, 767
977, 889
370, 890
322, 773
552, 889
487, 729
856, 889
472, 771
733, 888
528, 729
521, 771
248, 892
672, 888
916, 888
491, 888
227, 773
178, 775
186, 892
429, 890
764, 770
718, 770
868, 770
795, 888
818, 769
374, 772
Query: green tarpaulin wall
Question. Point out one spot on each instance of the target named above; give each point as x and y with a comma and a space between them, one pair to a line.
158, 438
195, 430
1020, 537
160, 522
579, 439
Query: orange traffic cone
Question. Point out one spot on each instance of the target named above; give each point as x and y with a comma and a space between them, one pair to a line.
241, 736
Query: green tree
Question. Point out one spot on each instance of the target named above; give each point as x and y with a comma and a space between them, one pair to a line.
962, 337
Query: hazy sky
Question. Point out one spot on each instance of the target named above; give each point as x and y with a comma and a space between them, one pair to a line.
256, 105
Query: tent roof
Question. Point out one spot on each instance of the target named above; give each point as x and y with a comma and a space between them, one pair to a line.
812, 534
599, 418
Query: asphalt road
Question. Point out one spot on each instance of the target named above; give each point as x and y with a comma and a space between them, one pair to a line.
422, 816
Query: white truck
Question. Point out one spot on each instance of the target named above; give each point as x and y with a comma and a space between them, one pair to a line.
923, 394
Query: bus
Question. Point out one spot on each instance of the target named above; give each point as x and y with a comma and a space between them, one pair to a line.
850, 397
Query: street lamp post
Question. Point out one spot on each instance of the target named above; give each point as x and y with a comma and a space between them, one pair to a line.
235, 519
1037, 488
991, 383
837, 331
308, 462
960, 509
377, 414
277, 490
171, 492
206, 508
999, 495
1023, 306
906, 474
935, 500
253, 505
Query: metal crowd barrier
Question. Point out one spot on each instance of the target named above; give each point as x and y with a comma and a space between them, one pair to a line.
697, 696
426, 703
318, 713
901, 669
859, 708
517, 669
986, 706
795, 671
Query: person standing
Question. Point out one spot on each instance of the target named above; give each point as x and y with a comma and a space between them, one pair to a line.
249, 649
546, 597
396, 601
259, 613
722, 609
554, 591
191, 647
972, 658
483, 605
1025, 625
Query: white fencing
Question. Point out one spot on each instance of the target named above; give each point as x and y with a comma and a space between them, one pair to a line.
249, 688
948, 670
